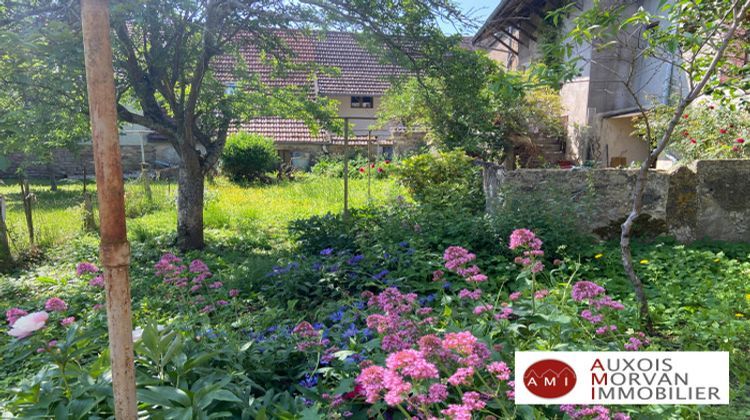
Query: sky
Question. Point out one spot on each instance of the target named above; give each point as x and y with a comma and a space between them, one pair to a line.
478, 10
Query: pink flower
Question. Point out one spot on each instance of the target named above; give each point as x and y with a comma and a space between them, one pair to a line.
477, 278
723, 131
396, 386
234, 293
27, 324
198, 266
222, 302
586, 290
462, 342
437, 275
466, 294
524, 238
462, 376
478, 310
740, 140
590, 317
514, 296
215, 285
473, 400
195, 288
505, 314
511, 393
541, 294
437, 393
97, 281
457, 412
371, 381
55, 304
305, 329
456, 256
67, 321
86, 267
411, 363
500, 370
208, 309
13, 314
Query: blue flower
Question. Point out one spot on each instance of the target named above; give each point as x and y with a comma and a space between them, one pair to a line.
327, 251
309, 381
447, 285
337, 316
367, 334
424, 300
359, 305
334, 268
350, 332
403, 244
318, 326
211, 334
380, 275
317, 265
355, 259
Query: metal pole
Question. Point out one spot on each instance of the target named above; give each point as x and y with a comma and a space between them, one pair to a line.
114, 247
369, 165
346, 168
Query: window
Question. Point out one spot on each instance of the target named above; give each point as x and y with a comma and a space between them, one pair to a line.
361, 101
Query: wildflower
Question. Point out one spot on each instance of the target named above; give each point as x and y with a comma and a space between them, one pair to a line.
309, 381
222, 302
411, 363
372, 165
462, 342
437, 275
685, 116
693, 141
644, 262
514, 296
740, 140
500, 370
723, 131
482, 309
747, 296
86, 267
396, 387
195, 288
590, 317
380, 170
215, 285
557, 262
466, 294
586, 290
456, 256
685, 133
473, 400
13, 314
27, 324
198, 266
537, 267
511, 393
633, 344
462, 376
97, 281
55, 304
541, 294
326, 252
208, 309
504, 314
355, 259
739, 315
597, 256
361, 170
234, 293
437, 393
68, 321
524, 238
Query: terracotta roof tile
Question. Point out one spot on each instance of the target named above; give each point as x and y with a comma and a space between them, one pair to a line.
283, 130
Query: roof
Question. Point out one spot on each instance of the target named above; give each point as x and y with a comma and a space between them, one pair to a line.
359, 71
284, 130
508, 13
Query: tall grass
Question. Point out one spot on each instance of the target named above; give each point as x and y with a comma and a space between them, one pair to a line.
230, 209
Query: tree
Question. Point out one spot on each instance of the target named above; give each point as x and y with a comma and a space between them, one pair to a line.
164, 51
692, 38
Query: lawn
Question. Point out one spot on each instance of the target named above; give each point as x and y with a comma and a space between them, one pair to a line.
229, 209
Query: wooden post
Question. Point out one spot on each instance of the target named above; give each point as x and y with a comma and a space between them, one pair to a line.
6, 258
346, 169
369, 165
114, 247
27, 198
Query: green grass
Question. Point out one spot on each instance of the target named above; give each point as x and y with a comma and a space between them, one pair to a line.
230, 209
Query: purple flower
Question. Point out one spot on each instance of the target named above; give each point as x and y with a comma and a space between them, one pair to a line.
97, 281
234, 293
326, 252
198, 266
586, 290
67, 321
524, 238
222, 302
55, 304
13, 314
215, 285
86, 267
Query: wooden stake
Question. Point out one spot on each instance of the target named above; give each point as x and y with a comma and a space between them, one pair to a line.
346, 169
114, 247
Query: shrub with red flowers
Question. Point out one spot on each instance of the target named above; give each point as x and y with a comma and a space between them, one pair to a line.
706, 131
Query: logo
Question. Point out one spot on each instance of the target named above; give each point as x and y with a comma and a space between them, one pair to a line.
549, 378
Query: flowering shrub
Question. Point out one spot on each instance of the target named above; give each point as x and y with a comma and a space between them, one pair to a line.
359, 167
705, 131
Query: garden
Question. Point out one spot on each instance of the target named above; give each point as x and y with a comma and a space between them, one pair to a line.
413, 306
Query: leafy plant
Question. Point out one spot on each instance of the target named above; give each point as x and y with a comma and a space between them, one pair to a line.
248, 157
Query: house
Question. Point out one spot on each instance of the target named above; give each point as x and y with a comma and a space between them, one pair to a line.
358, 83
599, 107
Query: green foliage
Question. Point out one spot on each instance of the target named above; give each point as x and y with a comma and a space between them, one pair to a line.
248, 157
705, 131
359, 166
444, 179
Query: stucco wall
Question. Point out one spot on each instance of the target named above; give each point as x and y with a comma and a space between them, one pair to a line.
709, 199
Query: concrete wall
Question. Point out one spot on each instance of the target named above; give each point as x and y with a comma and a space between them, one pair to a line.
709, 199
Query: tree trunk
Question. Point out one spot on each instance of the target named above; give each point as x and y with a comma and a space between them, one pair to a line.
52, 178
190, 202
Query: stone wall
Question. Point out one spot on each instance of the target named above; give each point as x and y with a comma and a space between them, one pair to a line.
71, 164
709, 199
